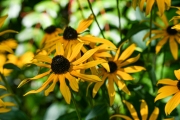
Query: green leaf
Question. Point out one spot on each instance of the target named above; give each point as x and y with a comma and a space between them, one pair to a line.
96, 111
69, 116
11, 66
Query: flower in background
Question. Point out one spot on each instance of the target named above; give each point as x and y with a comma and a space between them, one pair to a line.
64, 67
50, 33
143, 112
170, 87
71, 37
119, 69
164, 34
161, 4
177, 26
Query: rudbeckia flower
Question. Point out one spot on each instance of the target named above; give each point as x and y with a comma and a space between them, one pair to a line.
143, 112
164, 34
50, 33
64, 67
170, 87
70, 36
177, 26
120, 68
161, 4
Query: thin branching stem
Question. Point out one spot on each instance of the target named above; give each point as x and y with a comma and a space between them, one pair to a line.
119, 16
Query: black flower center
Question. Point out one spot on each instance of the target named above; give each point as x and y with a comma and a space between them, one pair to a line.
171, 31
112, 66
60, 64
50, 29
178, 84
70, 33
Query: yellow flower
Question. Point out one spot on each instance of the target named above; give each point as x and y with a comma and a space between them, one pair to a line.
5, 106
164, 34
4, 47
143, 112
50, 33
170, 87
177, 26
70, 36
161, 4
119, 70
64, 66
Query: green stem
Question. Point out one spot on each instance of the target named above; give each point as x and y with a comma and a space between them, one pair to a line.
90, 6
164, 56
119, 15
80, 9
9, 89
76, 107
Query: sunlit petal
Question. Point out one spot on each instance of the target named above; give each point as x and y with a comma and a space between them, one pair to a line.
51, 88
177, 74
149, 6
127, 52
43, 58
133, 69
161, 43
73, 82
130, 61
123, 75
173, 48
154, 114
144, 110
111, 90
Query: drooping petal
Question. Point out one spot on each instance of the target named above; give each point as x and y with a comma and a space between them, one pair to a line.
121, 116
2, 87
144, 110
166, 91
141, 4
45, 84
4, 110
90, 78
2, 19
51, 88
154, 38
5, 95
98, 85
154, 114
5, 48
172, 103
133, 69
173, 48
34, 78
123, 75
111, 91
167, 82
75, 51
64, 89
131, 110
161, 6
161, 43
118, 51
43, 58
72, 81
7, 31
127, 52
84, 24
149, 6
121, 85
177, 74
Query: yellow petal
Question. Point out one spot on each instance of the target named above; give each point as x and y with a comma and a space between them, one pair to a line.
34, 78
97, 40
84, 24
154, 114
161, 44
133, 69
118, 51
111, 91
121, 116
154, 38
64, 89
168, 3
43, 58
141, 5
51, 88
4, 110
130, 61
98, 85
173, 48
161, 6
5, 48
168, 82
9, 104
106, 66
45, 84
123, 75
75, 51
5, 95
144, 110
177, 74
88, 64
2, 87
87, 55
59, 48
121, 85
72, 81
131, 110
2, 19
42, 65
164, 18
127, 52
166, 91
149, 6
90, 78
7, 31
172, 103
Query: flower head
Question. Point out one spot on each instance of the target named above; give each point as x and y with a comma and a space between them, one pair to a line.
166, 33
119, 69
170, 87
64, 67
143, 112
